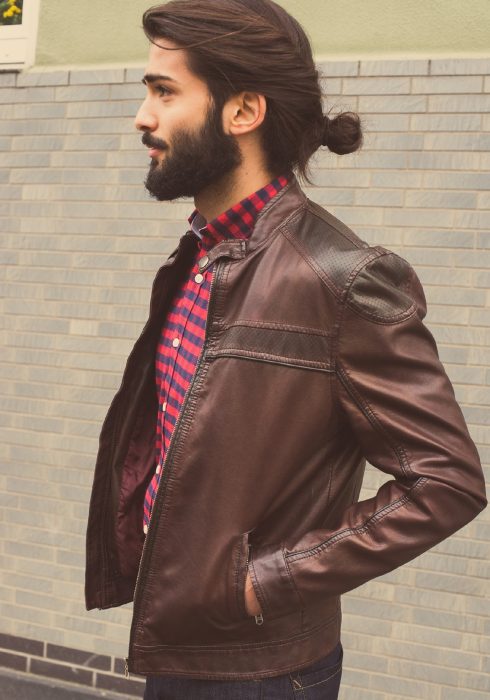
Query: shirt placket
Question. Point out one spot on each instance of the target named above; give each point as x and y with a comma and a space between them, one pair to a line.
177, 344
196, 285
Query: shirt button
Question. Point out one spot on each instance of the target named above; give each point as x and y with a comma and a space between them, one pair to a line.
203, 262
145, 529
176, 342
159, 468
164, 406
199, 278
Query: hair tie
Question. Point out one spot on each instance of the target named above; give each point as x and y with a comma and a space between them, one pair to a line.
326, 129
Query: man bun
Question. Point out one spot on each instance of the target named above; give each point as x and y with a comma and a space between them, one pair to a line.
343, 133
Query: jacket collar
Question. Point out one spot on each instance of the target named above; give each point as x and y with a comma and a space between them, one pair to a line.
276, 213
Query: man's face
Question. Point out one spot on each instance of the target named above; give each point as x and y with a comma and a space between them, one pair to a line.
189, 149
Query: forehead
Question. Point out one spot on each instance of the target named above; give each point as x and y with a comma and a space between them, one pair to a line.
167, 59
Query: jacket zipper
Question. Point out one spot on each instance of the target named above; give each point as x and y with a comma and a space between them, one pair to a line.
164, 471
259, 620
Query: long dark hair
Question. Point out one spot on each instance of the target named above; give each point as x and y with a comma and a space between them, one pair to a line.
256, 46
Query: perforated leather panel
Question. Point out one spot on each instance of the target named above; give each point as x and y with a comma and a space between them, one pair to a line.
276, 345
330, 246
380, 289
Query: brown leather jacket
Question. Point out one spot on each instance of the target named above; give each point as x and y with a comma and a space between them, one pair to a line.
315, 359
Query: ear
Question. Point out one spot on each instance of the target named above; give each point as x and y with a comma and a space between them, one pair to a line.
244, 113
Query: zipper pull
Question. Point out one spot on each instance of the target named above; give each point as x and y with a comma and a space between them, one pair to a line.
126, 669
259, 620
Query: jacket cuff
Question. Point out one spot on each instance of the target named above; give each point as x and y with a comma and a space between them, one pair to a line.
272, 581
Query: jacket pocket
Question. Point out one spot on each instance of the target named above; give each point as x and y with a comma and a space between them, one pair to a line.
241, 552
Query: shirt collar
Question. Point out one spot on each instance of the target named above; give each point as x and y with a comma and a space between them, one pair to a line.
240, 219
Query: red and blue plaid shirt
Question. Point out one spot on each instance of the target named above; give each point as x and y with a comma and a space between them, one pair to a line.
183, 332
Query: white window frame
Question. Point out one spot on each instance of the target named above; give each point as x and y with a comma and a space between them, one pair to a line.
18, 41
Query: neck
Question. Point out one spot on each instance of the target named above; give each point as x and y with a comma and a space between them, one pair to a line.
231, 189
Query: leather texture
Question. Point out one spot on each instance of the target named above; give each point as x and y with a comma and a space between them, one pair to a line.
316, 358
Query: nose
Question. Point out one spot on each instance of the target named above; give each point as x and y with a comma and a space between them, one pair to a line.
145, 120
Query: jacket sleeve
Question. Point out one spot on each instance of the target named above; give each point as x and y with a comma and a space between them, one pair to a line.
401, 409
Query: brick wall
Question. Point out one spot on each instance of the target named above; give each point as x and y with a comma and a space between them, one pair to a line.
80, 244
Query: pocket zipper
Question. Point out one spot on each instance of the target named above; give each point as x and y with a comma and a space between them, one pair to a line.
259, 620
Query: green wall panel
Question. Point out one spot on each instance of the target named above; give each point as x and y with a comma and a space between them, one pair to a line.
73, 32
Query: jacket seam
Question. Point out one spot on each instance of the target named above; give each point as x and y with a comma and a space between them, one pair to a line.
392, 321
239, 601
370, 414
180, 429
309, 260
272, 202
231, 648
355, 240
397, 318
259, 590
341, 305
362, 529
344, 377
273, 233
374, 254
291, 579
271, 325
274, 359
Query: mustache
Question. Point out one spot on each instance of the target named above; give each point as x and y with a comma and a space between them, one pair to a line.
151, 142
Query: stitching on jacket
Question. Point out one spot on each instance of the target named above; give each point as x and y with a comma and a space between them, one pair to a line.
272, 325
269, 238
371, 416
180, 430
274, 359
309, 261
405, 287
330, 482
272, 202
402, 316
236, 582
220, 280
317, 211
362, 529
232, 648
291, 579
372, 252
294, 216
263, 600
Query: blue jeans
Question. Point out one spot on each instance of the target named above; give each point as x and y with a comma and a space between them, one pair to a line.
319, 681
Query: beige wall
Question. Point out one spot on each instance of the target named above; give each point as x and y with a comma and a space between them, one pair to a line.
350, 28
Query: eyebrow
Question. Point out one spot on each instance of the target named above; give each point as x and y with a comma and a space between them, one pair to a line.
153, 77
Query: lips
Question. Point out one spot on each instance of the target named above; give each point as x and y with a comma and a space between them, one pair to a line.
154, 149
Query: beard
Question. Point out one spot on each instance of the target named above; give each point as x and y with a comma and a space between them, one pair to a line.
194, 161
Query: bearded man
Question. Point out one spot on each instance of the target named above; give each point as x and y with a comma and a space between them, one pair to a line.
281, 352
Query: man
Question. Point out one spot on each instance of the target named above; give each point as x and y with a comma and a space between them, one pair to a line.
280, 353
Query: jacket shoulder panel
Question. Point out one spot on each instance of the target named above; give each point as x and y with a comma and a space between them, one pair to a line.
384, 289
333, 250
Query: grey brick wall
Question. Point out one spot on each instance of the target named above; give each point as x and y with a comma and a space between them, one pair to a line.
80, 242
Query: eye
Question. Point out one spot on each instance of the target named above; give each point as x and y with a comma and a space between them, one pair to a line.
162, 90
